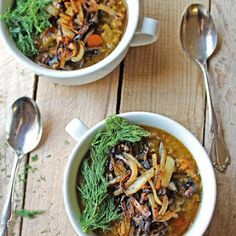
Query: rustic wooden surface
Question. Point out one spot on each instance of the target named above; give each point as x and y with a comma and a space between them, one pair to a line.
223, 71
157, 78
59, 105
15, 81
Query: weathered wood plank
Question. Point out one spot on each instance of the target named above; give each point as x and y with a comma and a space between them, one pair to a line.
59, 104
160, 78
223, 71
16, 81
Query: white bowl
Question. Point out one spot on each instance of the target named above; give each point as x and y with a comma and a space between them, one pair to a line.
84, 136
148, 34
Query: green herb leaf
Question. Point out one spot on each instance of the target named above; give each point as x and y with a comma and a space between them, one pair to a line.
25, 22
66, 142
29, 214
99, 205
35, 157
29, 168
45, 231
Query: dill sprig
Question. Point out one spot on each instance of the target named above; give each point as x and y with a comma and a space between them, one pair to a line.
25, 22
28, 213
99, 205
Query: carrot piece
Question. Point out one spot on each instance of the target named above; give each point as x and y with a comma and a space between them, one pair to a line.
180, 222
158, 182
94, 40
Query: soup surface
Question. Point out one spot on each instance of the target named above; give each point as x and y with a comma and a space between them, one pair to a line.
154, 184
183, 191
82, 33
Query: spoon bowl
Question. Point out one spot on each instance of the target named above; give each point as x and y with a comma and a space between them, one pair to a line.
24, 125
23, 133
198, 35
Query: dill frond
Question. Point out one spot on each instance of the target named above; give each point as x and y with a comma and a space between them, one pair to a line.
99, 205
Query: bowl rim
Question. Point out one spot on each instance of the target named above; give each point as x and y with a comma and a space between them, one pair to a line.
208, 198
132, 23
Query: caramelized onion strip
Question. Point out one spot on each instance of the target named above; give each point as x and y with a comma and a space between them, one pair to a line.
154, 206
129, 156
141, 180
164, 207
157, 199
134, 172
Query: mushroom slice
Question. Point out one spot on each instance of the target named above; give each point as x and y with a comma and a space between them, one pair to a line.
81, 51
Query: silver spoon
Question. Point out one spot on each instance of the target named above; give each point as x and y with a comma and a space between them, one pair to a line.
24, 131
199, 39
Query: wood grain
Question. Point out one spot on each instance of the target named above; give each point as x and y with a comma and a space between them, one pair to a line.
223, 71
160, 78
16, 81
59, 104
157, 78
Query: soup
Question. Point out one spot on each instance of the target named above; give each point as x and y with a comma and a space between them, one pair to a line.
82, 33
154, 184
67, 34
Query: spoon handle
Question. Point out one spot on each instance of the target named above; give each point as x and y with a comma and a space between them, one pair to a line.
7, 208
219, 152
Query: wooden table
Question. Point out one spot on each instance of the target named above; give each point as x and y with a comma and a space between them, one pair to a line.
157, 78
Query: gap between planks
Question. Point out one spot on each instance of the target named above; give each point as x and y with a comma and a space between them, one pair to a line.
120, 86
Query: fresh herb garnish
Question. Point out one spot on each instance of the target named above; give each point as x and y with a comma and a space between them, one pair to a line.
29, 168
22, 176
99, 205
43, 178
66, 142
35, 157
29, 214
25, 22
45, 231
